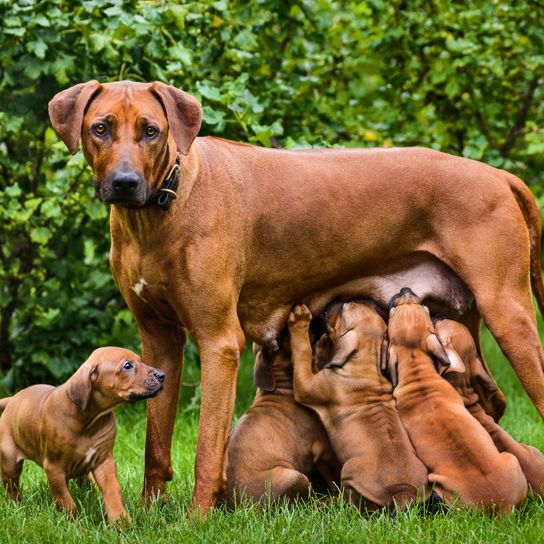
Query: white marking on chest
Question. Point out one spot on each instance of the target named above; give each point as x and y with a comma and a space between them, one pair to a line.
89, 455
138, 287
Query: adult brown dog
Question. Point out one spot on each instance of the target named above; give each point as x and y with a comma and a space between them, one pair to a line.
458, 343
70, 430
464, 464
356, 405
254, 231
277, 446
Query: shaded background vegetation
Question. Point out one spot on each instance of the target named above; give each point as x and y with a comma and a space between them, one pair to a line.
466, 79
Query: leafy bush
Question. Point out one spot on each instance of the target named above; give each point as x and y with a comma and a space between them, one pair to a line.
413, 72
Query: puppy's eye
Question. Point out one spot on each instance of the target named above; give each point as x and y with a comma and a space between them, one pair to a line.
129, 365
151, 132
100, 129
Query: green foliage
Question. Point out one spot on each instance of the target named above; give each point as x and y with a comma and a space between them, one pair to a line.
464, 79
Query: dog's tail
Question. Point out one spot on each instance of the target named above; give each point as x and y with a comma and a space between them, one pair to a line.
531, 215
4, 403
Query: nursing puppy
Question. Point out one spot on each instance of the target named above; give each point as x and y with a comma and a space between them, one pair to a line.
459, 345
70, 430
356, 405
464, 464
277, 446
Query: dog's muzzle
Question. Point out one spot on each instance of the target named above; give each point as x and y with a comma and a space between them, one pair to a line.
125, 188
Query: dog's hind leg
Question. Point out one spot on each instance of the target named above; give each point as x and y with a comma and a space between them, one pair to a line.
288, 482
493, 258
11, 467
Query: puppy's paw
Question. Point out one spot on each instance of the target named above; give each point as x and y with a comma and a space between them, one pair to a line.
299, 318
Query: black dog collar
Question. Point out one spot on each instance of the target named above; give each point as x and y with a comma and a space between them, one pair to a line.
164, 195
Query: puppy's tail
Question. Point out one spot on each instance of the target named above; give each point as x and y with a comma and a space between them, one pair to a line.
4, 403
530, 212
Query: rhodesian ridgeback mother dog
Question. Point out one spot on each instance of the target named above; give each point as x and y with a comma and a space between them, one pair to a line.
458, 344
252, 231
356, 405
70, 430
464, 465
278, 445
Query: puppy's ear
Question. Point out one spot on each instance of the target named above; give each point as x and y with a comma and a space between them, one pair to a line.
183, 112
456, 363
79, 386
262, 372
343, 349
390, 365
436, 349
66, 111
322, 351
478, 373
490, 397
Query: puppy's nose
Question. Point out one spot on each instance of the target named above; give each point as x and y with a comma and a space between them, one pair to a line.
125, 181
159, 375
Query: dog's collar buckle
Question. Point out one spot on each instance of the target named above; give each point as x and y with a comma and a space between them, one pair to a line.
164, 195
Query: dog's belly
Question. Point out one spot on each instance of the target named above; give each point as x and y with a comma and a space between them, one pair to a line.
263, 312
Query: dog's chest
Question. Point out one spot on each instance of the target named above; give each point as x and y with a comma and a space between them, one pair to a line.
149, 281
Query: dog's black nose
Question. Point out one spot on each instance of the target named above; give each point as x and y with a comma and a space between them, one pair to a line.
159, 375
125, 181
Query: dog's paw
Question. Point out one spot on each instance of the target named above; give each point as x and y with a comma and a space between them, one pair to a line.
299, 318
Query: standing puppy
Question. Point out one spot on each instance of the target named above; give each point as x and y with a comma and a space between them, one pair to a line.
356, 405
278, 445
459, 345
70, 430
462, 460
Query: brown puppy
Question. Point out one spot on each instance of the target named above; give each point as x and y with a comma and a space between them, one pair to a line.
463, 462
459, 344
355, 403
252, 231
277, 445
70, 430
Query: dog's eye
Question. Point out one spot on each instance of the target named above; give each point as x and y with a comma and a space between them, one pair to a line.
99, 129
128, 365
150, 132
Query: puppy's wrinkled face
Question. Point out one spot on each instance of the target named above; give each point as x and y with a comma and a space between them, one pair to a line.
409, 321
354, 316
409, 325
125, 137
120, 375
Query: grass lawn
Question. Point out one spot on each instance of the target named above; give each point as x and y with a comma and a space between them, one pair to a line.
36, 519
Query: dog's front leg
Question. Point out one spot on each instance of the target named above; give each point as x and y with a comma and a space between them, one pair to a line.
220, 357
162, 347
105, 475
309, 388
58, 483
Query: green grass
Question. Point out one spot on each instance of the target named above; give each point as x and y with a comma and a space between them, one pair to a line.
35, 519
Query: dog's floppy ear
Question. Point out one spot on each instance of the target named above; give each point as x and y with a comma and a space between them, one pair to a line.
66, 110
478, 373
79, 386
490, 397
436, 349
262, 371
323, 351
456, 363
183, 112
389, 364
343, 348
